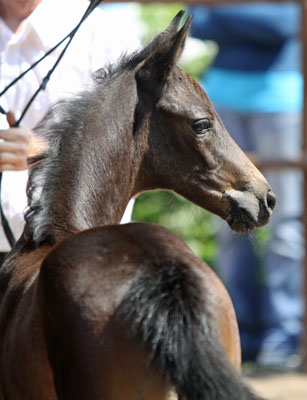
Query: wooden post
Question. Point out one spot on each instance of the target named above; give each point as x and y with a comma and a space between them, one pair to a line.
304, 70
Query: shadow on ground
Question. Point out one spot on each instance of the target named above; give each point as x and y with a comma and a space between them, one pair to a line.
279, 386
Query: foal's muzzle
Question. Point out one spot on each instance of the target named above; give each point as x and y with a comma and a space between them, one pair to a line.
248, 211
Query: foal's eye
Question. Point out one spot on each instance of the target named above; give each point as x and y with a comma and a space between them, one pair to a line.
201, 126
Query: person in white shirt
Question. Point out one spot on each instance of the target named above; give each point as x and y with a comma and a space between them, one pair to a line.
28, 29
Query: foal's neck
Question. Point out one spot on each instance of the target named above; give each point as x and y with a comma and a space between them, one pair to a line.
89, 175
102, 180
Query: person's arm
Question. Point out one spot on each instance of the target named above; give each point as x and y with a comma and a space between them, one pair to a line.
204, 25
262, 23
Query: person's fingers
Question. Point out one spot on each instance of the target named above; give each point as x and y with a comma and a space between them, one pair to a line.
20, 148
16, 145
10, 117
16, 135
11, 161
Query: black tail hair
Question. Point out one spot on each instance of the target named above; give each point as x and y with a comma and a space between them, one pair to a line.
165, 310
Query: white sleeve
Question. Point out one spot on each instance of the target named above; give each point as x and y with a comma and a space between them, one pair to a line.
14, 202
127, 216
113, 34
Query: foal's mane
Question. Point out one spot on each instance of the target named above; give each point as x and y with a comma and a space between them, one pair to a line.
64, 119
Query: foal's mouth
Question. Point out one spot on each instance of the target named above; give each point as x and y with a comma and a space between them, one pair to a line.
248, 211
241, 221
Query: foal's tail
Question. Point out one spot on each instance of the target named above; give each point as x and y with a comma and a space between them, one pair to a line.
165, 309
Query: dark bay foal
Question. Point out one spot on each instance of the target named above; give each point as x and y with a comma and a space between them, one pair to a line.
92, 311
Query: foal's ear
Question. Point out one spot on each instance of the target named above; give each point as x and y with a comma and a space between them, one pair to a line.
167, 34
170, 44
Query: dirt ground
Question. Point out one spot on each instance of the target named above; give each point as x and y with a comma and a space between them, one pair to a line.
280, 386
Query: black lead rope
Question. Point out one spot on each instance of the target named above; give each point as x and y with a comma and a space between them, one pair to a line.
93, 4
5, 224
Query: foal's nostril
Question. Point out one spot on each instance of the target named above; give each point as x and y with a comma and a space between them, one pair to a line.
271, 199
267, 205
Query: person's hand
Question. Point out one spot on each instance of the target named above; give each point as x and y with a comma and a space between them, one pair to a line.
14, 148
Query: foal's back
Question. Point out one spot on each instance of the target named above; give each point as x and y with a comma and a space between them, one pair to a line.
121, 306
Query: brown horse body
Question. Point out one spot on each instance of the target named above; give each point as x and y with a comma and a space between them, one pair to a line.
126, 311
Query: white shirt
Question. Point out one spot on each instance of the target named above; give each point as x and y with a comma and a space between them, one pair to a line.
100, 40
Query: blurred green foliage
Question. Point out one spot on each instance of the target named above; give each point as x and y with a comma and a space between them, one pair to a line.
196, 66
157, 16
189, 222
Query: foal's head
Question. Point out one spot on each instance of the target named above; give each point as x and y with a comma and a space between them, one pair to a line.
188, 147
145, 125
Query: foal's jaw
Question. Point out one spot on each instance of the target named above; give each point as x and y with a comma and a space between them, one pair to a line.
244, 209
